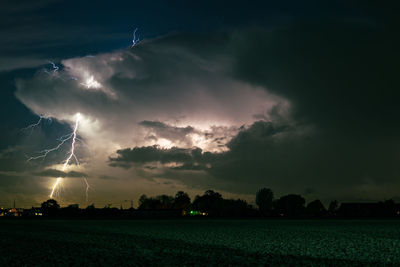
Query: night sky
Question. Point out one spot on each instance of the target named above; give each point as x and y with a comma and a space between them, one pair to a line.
230, 96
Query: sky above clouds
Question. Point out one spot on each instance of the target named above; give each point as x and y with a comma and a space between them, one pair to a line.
301, 98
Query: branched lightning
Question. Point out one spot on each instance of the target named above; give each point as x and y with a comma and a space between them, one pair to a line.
90, 83
44, 153
33, 125
135, 40
71, 154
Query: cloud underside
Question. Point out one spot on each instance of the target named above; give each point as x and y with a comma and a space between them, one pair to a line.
58, 173
318, 103
271, 155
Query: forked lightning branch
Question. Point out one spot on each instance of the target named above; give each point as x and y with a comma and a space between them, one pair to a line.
70, 155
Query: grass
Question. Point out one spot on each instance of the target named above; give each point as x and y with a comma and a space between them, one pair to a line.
199, 242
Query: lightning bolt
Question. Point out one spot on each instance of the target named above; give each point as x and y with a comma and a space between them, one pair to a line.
44, 153
32, 126
71, 153
87, 189
135, 40
55, 71
55, 67
90, 83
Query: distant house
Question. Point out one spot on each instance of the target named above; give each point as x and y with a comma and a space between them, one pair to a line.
14, 212
34, 211
194, 213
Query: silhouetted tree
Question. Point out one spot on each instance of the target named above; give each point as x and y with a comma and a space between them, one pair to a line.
90, 207
50, 207
387, 208
290, 205
150, 203
213, 194
264, 199
142, 200
90, 210
333, 208
210, 202
71, 211
315, 208
182, 200
165, 201
235, 208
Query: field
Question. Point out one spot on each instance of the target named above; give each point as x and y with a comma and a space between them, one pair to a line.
199, 242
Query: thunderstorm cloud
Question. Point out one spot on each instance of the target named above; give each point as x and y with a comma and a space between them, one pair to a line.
300, 106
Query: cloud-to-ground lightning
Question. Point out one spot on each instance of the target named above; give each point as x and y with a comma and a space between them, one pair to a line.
135, 39
87, 188
71, 154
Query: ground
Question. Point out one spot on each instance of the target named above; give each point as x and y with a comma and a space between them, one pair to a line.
201, 242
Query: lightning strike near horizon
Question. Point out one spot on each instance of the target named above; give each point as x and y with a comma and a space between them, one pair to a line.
87, 189
135, 40
71, 154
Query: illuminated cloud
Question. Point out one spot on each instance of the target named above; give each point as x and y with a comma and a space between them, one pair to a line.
164, 92
308, 105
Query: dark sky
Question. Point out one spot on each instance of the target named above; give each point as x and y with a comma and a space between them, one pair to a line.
301, 97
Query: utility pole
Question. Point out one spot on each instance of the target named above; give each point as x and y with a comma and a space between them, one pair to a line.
131, 204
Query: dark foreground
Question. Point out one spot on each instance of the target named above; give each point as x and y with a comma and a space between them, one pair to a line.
199, 242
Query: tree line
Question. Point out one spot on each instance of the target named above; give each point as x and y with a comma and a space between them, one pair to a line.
212, 204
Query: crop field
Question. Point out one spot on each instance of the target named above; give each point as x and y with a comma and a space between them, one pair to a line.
199, 242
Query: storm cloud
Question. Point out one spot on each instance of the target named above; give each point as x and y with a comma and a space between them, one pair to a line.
181, 80
302, 105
